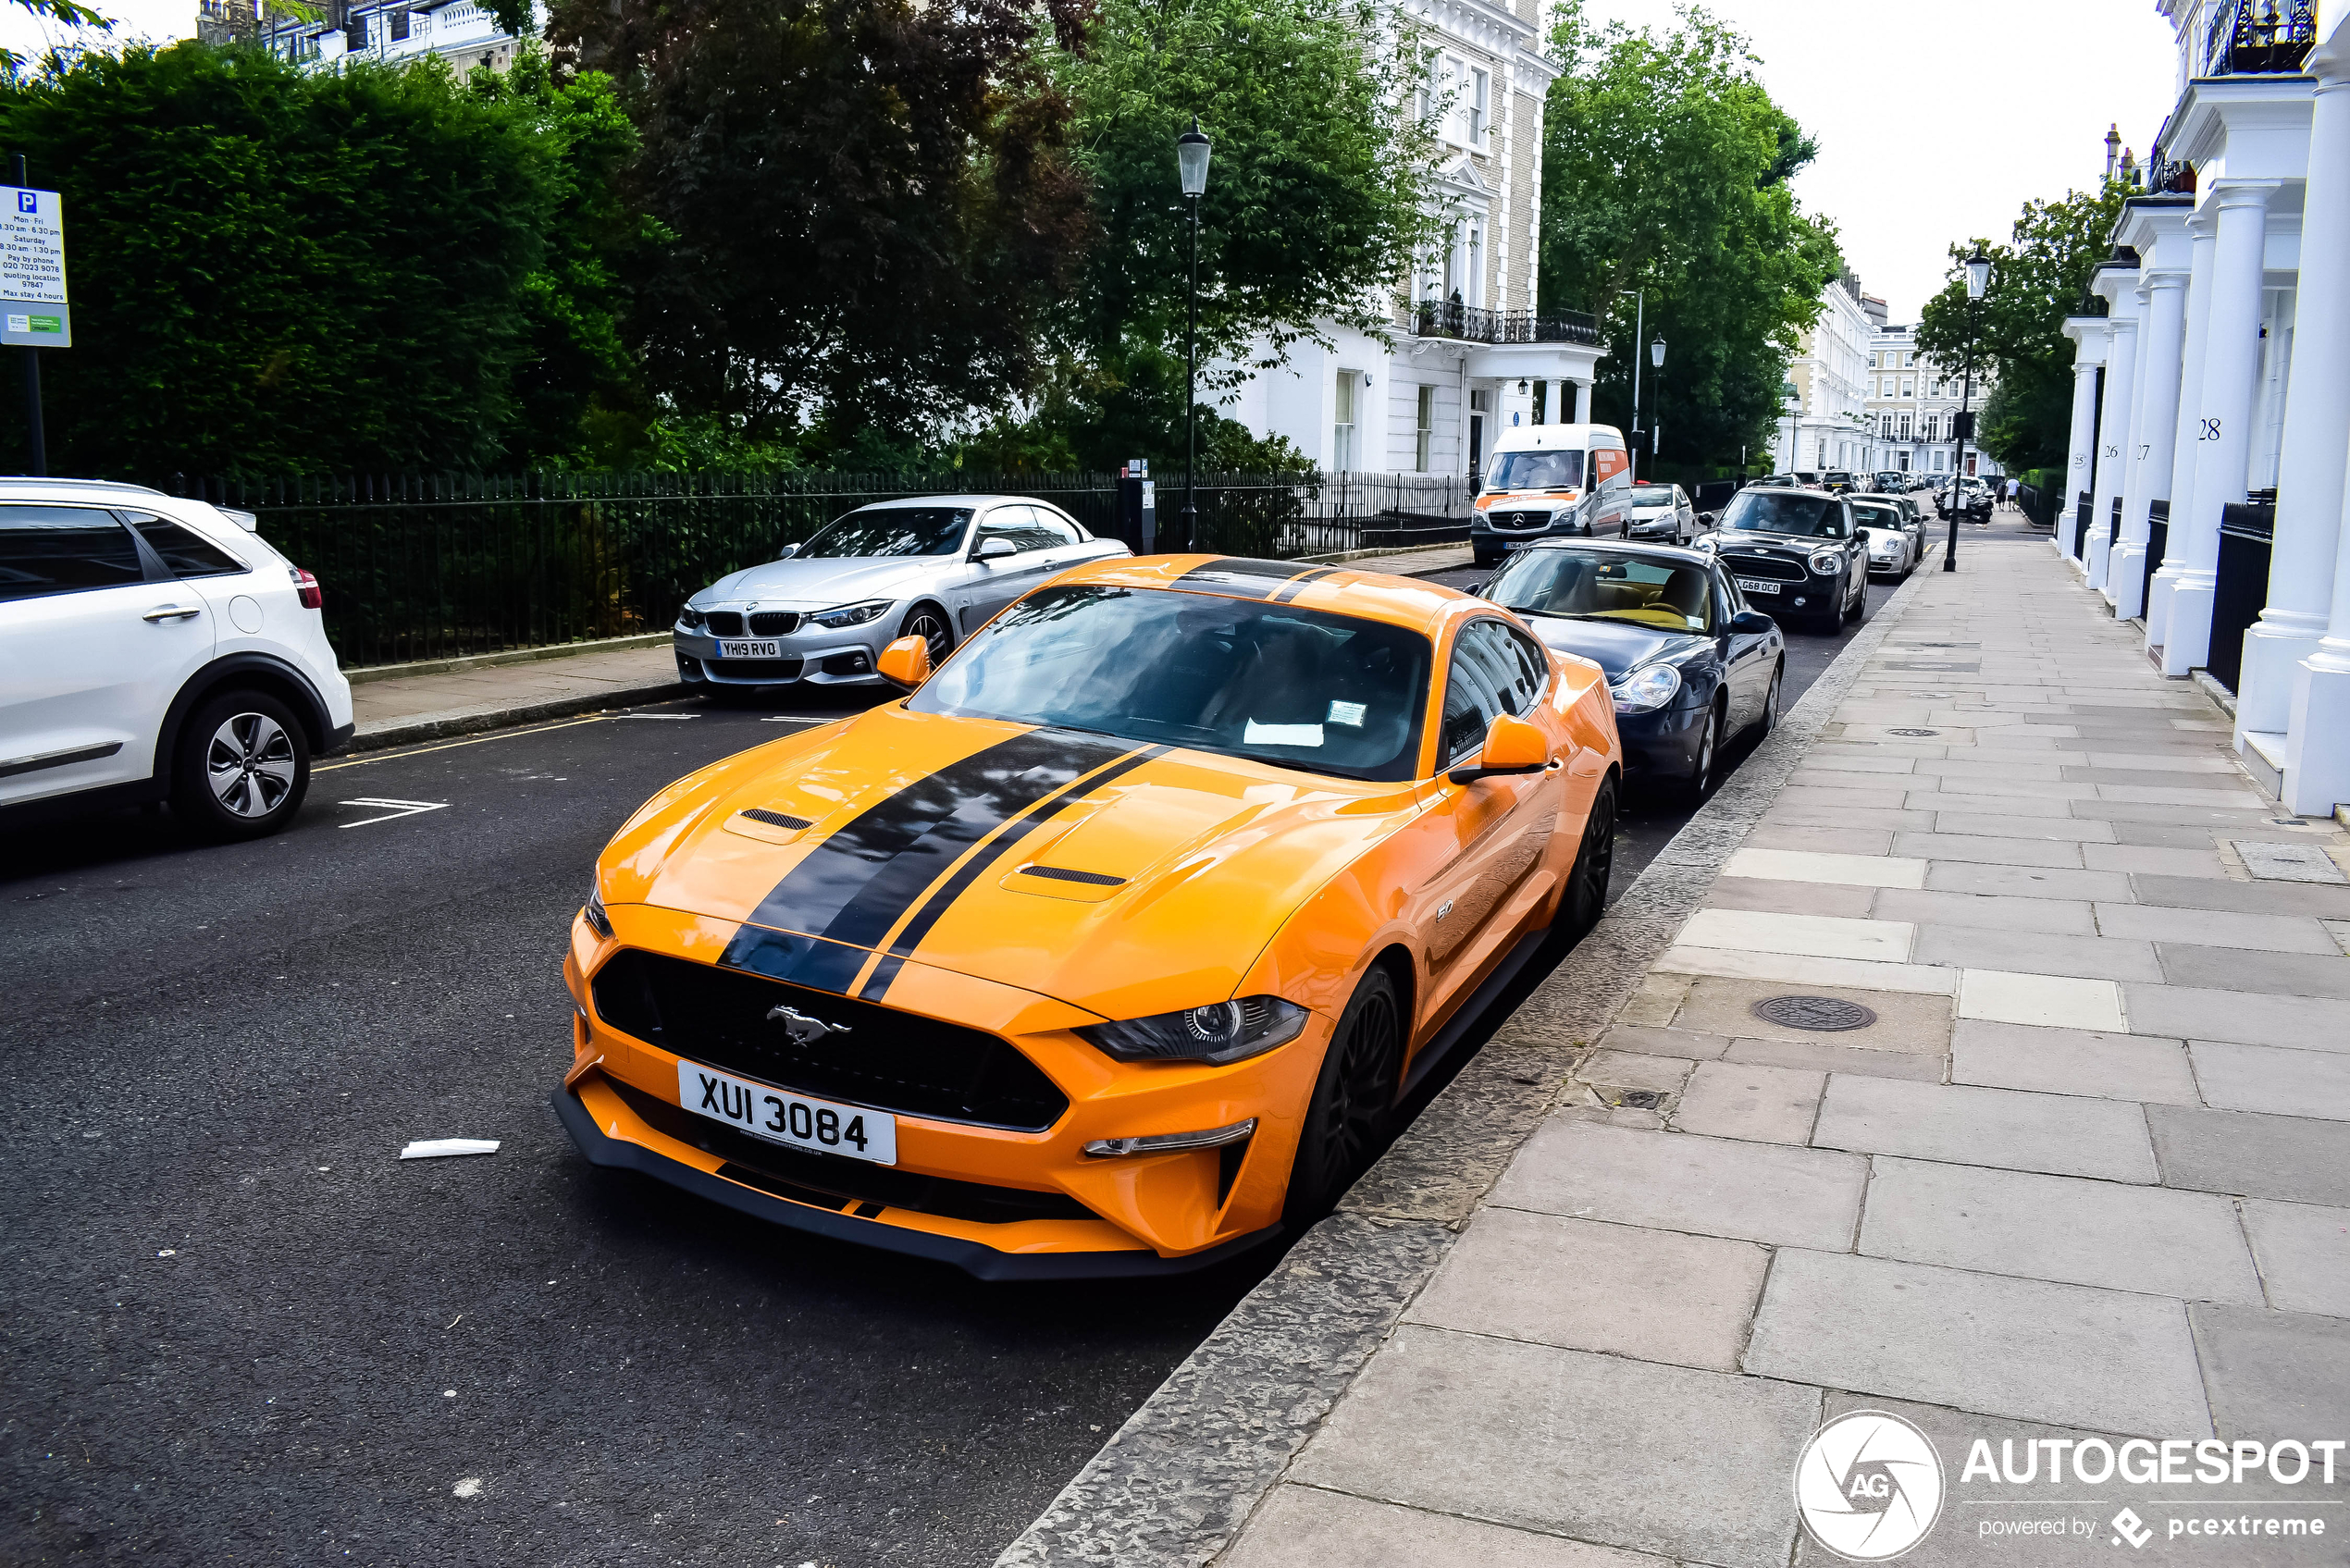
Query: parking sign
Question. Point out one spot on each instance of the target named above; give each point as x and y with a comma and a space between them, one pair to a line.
32, 270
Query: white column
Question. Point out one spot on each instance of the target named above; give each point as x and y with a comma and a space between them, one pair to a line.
2223, 418
2317, 423
2080, 451
2162, 333
1582, 402
2184, 449
2113, 428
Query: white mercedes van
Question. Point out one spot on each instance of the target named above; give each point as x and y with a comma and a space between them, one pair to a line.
1543, 481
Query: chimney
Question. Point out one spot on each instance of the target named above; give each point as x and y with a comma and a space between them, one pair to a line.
2112, 145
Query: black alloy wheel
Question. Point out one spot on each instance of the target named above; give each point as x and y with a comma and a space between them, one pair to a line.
1354, 1104
929, 622
1585, 897
1706, 765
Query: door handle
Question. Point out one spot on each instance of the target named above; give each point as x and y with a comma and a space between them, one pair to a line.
170, 613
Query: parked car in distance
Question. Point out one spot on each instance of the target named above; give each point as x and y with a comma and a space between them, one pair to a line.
1890, 481
153, 647
1837, 482
1662, 512
1689, 664
1544, 481
1795, 553
1895, 535
935, 567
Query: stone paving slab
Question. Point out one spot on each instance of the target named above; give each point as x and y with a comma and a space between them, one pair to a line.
2272, 1079
1308, 1525
2110, 1360
2002, 1128
1618, 1290
2304, 1255
1706, 1186
2150, 1239
2272, 1372
2072, 1061
2297, 1158
1499, 1430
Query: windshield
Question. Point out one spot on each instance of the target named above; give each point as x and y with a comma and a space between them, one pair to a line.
890, 530
1876, 517
1651, 495
1593, 585
1534, 471
1295, 687
1799, 512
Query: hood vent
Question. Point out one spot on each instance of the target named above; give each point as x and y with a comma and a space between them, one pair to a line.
1061, 873
777, 819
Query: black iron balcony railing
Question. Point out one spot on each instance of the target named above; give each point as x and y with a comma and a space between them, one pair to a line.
1450, 318
2256, 36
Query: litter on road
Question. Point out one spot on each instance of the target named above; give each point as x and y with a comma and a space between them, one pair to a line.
439, 1148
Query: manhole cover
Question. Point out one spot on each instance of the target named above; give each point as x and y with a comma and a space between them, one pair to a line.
1825, 1014
1639, 1099
1913, 732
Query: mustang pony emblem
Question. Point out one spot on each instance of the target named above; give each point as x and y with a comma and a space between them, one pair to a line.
803, 1029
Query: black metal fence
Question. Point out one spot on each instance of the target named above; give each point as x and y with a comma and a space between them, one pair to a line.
419, 567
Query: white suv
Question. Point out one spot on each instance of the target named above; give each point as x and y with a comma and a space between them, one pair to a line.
153, 647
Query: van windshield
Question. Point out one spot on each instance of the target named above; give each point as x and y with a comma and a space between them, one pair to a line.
1556, 470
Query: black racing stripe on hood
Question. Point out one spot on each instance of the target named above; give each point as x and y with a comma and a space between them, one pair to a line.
943, 897
852, 887
1241, 575
803, 960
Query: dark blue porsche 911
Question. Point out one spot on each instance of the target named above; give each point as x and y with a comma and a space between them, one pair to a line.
1690, 665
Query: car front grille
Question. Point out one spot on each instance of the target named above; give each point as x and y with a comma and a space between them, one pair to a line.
773, 623
830, 1181
1770, 568
878, 1056
1518, 522
755, 669
725, 623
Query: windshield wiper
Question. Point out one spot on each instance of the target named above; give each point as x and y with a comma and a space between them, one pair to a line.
1552, 614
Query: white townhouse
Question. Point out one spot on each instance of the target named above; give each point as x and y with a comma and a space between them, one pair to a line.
1914, 407
2211, 402
1474, 351
1825, 424
464, 32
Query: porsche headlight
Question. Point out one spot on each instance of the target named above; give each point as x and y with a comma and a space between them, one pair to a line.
690, 618
853, 614
1217, 1033
1647, 689
593, 912
1827, 562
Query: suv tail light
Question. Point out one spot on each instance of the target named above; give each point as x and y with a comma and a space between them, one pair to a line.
307, 586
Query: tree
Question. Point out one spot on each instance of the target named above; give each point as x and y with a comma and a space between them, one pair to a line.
2036, 282
279, 272
67, 13
576, 389
868, 204
1664, 168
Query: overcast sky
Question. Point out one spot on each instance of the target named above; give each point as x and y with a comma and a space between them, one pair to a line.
1936, 122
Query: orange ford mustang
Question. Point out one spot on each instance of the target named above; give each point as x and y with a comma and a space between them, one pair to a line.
1113, 948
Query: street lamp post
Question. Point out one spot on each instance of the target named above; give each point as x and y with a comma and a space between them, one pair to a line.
1656, 362
1639, 330
1978, 277
1190, 166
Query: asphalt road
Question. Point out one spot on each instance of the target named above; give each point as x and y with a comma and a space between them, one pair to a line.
235, 1328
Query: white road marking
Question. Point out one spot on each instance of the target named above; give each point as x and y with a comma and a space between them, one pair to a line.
397, 808
659, 715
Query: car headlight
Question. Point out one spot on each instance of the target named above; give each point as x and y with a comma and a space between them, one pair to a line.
1708, 543
690, 618
1827, 562
853, 614
1647, 689
1217, 1033
593, 912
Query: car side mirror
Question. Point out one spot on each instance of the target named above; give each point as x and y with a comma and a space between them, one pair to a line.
1751, 623
906, 662
1512, 745
790, 550
1706, 518
995, 549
